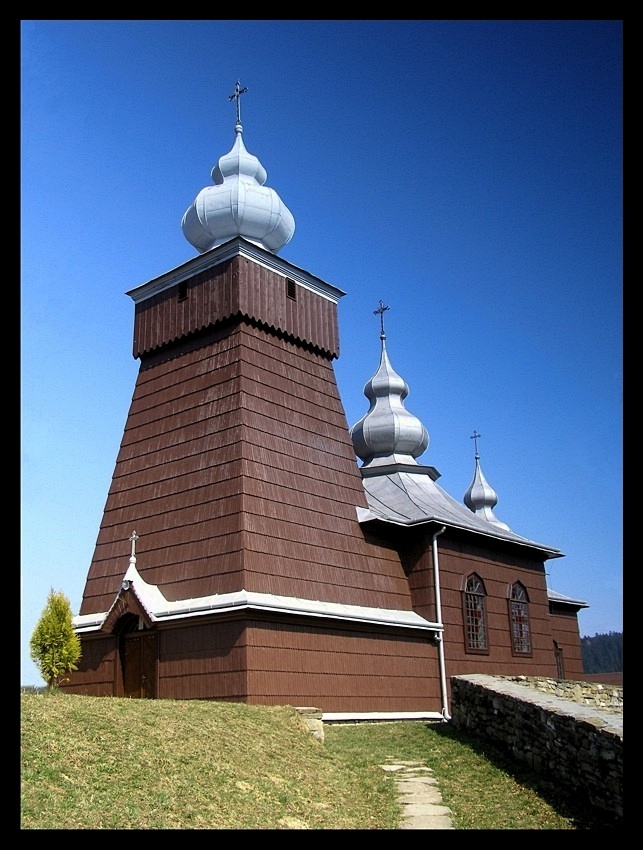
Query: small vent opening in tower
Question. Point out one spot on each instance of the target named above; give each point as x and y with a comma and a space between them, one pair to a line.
291, 289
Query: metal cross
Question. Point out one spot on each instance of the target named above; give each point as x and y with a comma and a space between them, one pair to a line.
238, 91
475, 437
134, 538
381, 310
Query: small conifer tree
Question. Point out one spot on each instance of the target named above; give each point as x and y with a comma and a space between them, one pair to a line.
55, 646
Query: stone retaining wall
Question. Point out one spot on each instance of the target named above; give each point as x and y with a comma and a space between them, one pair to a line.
604, 697
576, 743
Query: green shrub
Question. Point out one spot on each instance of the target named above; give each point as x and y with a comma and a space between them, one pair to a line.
54, 645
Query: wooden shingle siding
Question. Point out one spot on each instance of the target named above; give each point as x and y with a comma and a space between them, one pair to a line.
340, 669
237, 287
205, 661
97, 674
498, 571
266, 661
564, 627
237, 471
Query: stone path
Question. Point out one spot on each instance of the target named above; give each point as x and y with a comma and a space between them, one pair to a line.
419, 795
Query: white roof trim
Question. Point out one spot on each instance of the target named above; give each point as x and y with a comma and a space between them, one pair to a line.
236, 247
554, 596
161, 610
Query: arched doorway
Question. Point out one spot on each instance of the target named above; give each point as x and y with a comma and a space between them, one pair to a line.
137, 649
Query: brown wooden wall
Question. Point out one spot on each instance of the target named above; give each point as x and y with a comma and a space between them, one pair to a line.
278, 662
237, 471
566, 634
288, 663
498, 570
342, 669
238, 287
98, 669
204, 661
339, 667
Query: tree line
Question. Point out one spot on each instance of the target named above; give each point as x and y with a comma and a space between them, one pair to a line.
602, 653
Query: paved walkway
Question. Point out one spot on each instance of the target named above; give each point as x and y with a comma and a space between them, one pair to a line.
419, 795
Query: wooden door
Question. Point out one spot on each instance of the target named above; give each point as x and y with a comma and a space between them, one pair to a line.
139, 665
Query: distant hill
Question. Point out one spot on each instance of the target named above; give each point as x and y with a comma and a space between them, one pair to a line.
603, 653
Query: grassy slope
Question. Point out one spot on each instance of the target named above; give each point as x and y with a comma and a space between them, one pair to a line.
103, 763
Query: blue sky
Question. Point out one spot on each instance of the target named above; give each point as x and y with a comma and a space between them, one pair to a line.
467, 173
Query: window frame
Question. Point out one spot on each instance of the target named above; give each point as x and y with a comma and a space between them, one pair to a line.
519, 620
474, 607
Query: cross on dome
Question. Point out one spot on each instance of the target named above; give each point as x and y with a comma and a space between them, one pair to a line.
475, 436
381, 310
236, 95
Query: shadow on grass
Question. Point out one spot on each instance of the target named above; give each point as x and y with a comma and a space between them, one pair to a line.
575, 807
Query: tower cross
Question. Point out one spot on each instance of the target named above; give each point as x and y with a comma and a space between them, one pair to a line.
236, 95
475, 436
381, 310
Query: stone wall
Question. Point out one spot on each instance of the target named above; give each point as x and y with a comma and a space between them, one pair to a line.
563, 730
604, 697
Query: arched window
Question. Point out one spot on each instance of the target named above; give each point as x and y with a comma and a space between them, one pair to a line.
519, 620
475, 615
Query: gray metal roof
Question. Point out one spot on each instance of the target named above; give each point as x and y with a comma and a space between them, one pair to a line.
554, 596
412, 498
388, 439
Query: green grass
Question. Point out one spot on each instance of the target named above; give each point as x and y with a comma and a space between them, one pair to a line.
107, 763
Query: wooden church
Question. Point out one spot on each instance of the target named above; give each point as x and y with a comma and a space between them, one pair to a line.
245, 553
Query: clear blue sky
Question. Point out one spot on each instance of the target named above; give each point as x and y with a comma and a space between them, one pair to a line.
467, 173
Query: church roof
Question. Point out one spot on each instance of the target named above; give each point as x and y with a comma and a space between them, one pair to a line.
561, 599
239, 204
400, 491
412, 498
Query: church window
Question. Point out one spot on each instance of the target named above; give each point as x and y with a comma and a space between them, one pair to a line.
519, 620
475, 615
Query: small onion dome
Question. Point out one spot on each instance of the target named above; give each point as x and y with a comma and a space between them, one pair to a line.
482, 499
388, 433
238, 205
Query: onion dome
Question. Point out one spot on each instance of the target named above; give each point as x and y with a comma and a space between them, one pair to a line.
480, 497
388, 433
238, 204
